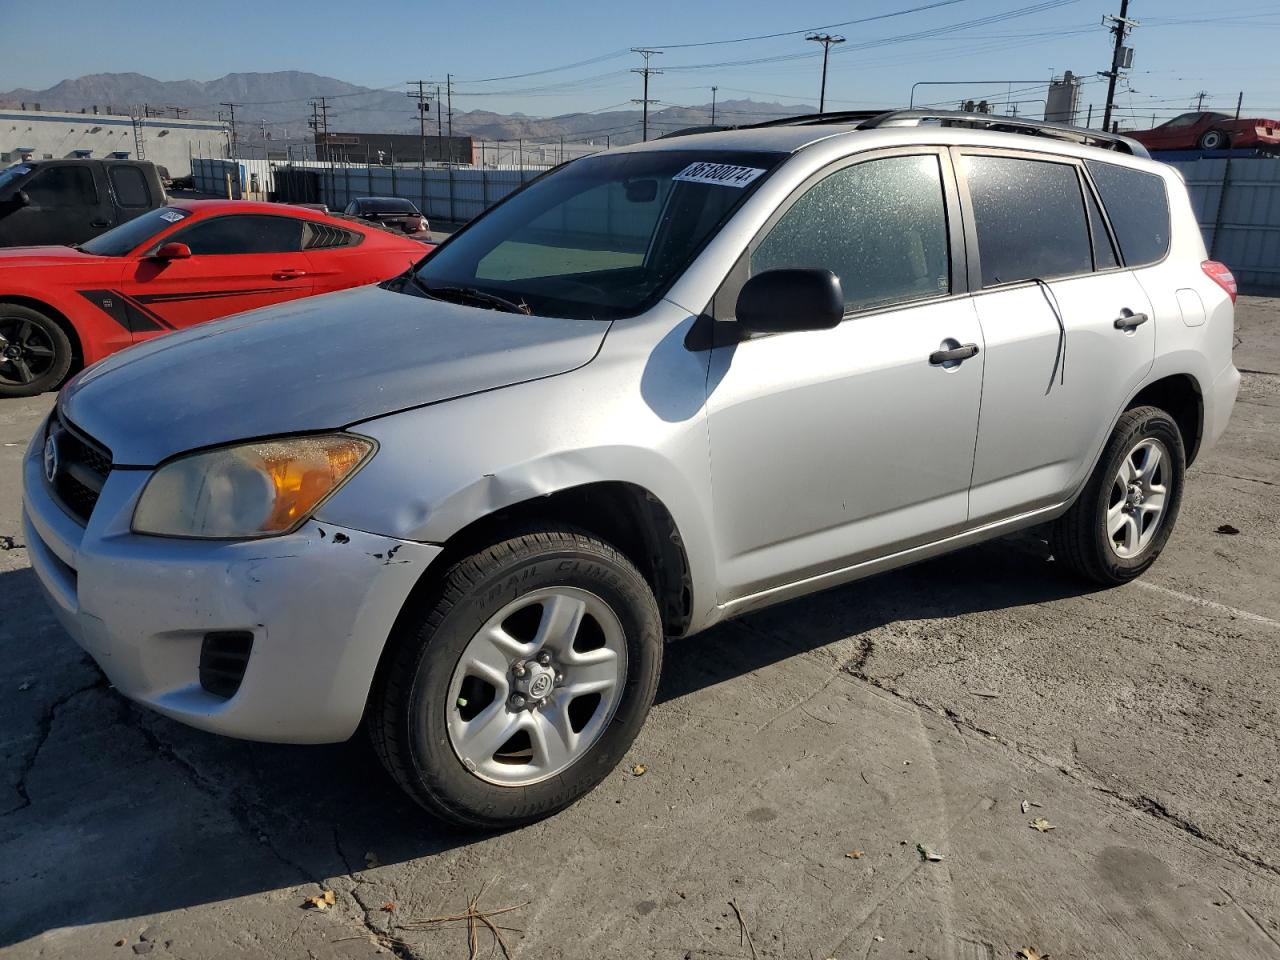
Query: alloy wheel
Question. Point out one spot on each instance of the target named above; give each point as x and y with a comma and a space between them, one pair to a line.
26, 351
537, 686
1139, 493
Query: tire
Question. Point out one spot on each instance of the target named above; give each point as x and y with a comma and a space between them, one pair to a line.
35, 353
425, 701
1111, 535
1214, 140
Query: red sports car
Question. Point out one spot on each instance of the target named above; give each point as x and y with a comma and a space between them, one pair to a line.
1208, 131
176, 266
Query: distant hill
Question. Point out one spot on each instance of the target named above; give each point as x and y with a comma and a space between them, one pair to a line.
279, 100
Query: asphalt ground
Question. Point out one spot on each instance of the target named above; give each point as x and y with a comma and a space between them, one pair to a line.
795, 766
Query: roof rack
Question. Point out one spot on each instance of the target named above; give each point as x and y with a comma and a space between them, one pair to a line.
987, 121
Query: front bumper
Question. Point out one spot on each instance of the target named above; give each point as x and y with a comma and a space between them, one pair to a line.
319, 602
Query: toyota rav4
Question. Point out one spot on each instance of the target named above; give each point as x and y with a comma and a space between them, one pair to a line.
656, 388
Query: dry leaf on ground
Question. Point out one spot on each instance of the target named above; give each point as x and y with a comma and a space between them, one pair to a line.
933, 856
388, 907
639, 769
1030, 953
322, 901
1043, 825
855, 854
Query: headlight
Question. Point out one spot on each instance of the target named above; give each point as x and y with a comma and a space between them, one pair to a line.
257, 489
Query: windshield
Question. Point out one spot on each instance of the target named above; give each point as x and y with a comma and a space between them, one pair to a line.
133, 233
13, 174
387, 205
602, 237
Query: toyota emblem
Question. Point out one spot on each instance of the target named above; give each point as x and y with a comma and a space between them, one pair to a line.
50, 458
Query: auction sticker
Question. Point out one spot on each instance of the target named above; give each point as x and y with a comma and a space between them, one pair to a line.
724, 174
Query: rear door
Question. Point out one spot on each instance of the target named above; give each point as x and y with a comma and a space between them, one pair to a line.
1065, 325
238, 262
67, 206
131, 190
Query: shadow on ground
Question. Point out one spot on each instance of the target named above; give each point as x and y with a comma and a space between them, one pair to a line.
163, 817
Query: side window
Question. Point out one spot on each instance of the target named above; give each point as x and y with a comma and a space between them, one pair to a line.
242, 234
66, 186
1138, 205
880, 226
129, 186
1104, 255
1030, 219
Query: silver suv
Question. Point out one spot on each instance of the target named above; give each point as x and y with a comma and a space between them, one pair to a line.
658, 387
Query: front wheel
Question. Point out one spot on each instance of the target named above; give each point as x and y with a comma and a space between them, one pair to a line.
1213, 140
520, 682
1126, 512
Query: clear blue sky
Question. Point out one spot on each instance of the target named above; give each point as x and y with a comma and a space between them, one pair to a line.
1182, 47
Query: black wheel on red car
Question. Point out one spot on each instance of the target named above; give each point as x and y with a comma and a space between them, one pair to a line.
1213, 140
35, 353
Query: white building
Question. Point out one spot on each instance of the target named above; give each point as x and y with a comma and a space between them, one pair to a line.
49, 135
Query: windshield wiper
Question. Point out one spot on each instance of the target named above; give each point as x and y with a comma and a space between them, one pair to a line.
473, 295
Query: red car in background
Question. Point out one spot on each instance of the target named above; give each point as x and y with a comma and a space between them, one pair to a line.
171, 268
1208, 131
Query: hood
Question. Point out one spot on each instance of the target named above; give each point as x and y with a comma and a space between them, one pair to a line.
41, 256
314, 364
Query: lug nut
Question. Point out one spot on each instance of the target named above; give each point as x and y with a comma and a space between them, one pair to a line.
518, 670
559, 678
517, 701
544, 658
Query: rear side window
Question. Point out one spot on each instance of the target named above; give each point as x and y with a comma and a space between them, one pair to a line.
246, 233
1138, 205
880, 226
130, 187
66, 186
1030, 219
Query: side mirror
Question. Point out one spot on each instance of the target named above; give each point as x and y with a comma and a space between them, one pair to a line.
172, 251
20, 198
782, 301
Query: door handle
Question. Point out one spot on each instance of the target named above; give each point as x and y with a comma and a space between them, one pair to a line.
288, 273
99, 223
954, 355
1128, 320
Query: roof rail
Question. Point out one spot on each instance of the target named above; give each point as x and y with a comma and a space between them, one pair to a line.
988, 121
813, 119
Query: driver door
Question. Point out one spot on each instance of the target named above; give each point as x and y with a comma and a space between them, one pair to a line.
832, 447
238, 262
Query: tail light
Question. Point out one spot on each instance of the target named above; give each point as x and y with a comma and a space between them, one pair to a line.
1219, 274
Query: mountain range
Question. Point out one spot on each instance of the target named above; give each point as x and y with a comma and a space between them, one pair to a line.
278, 103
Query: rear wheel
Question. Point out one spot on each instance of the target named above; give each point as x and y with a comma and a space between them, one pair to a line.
1126, 512
520, 682
1213, 140
35, 353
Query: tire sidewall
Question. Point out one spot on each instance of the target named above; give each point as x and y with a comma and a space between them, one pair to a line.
435, 764
62, 353
1204, 140
1160, 426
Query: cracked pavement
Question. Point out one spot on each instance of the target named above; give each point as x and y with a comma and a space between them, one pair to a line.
919, 707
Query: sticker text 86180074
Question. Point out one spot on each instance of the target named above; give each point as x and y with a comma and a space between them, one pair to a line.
723, 174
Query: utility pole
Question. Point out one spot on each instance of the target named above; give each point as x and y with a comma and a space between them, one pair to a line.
178, 112
827, 39
439, 115
645, 71
232, 108
424, 105
1200, 100
1120, 27
713, 105
448, 91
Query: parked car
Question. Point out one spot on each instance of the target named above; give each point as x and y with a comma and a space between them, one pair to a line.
180, 265
1209, 131
389, 212
70, 201
659, 387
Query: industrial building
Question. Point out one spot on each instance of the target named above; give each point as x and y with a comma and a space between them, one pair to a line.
390, 149
50, 135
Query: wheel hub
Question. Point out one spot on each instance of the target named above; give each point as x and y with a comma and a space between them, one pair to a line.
1134, 496
534, 681
12, 352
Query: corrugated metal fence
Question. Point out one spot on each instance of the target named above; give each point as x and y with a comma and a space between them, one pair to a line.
1237, 203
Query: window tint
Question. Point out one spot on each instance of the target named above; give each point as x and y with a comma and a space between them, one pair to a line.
130, 187
1184, 120
133, 233
1030, 219
67, 186
880, 226
243, 234
1138, 207
1104, 255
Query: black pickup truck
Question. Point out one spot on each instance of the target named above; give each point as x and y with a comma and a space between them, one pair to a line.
70, 201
